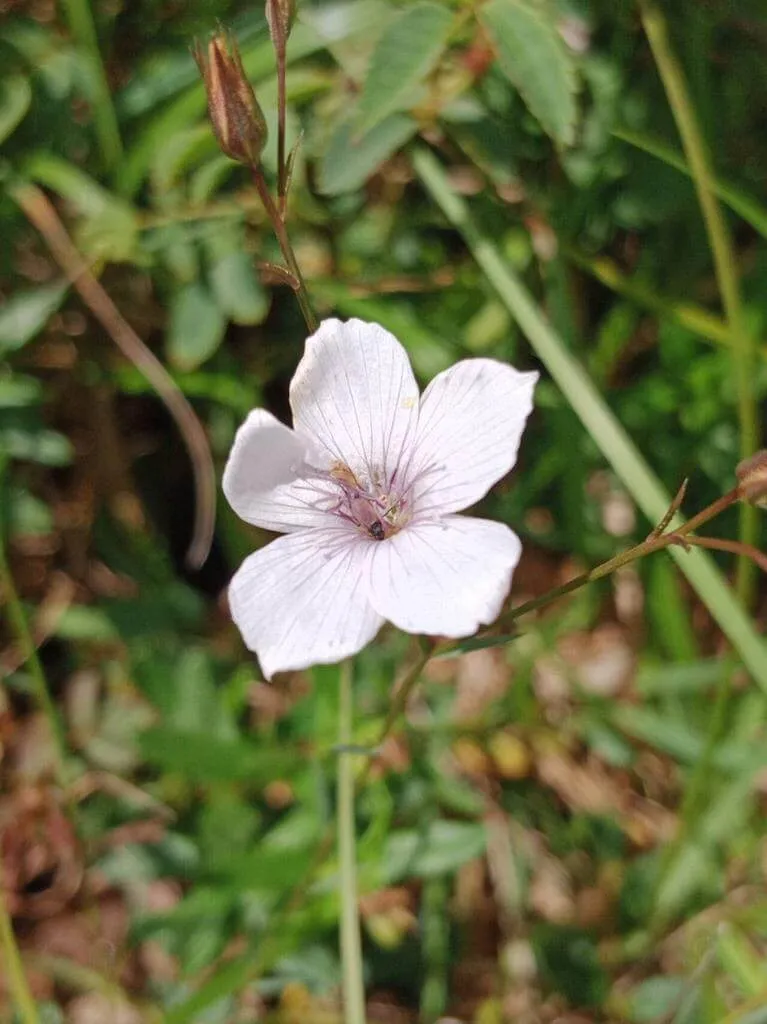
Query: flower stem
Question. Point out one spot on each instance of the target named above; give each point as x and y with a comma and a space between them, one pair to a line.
17, 981
281, 231
26, 642
725, 264
351, 945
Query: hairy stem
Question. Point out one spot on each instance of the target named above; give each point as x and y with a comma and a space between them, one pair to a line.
281, 231
725, 263
351, 945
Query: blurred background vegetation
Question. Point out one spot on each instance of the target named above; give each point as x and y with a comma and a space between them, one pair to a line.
567, 826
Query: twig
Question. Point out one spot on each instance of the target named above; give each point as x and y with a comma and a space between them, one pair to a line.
40, 211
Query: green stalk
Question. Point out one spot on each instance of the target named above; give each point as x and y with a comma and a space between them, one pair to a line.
351, 944
17, 981
83, 29
739, 201
605, 429
26, 642
725, 264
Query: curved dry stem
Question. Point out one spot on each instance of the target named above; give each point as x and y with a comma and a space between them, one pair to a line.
41, 212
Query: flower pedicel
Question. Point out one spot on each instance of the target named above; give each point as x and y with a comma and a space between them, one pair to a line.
365, 488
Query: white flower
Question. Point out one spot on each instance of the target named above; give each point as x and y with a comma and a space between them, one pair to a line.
365, 488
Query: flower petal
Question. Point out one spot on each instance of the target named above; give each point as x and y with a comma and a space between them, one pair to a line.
264, 477
355, 394
469, 427
302, 600
444, 577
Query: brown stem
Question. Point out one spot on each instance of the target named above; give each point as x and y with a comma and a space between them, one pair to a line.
40, 211
734, 547
282, 184
281, 231
647, 547
671, 511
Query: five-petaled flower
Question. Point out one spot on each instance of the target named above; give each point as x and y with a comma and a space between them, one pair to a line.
365, 488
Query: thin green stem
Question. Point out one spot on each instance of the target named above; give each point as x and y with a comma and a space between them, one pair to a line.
17, 980
693, 318
740, 202
281, 231
725, 263
351, 944
18, 621
83, 29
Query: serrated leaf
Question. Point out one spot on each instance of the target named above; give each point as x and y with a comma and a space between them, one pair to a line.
406, 53
196, 327
534, 58
15, 97
26, 313
348, 162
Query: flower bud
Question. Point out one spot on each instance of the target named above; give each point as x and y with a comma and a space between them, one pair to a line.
280, 15
752, 479
237, 119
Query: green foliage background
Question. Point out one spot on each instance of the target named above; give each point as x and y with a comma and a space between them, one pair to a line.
457, 159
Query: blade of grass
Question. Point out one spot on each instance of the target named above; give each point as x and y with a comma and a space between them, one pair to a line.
606, 431
725, 263
686, 314
80, 19
739, 202
16, 979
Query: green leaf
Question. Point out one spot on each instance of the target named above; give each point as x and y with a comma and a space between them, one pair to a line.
348, 161
655, 998
406, 53
204, 758
237, 289
44, 446
752, 211
19, 391
26, 313
82, 622
437, 850
196, 327
28, 516
534, 58
15, 97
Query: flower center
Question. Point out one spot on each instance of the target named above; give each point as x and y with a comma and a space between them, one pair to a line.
374, 507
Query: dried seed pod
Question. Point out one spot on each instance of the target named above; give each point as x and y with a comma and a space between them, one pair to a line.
752, 479
280, 15
237, 118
